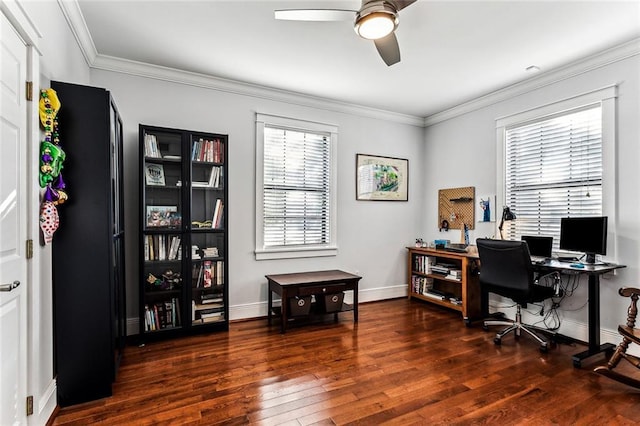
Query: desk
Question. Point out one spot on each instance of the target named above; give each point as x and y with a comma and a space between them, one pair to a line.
594, 272
310, 283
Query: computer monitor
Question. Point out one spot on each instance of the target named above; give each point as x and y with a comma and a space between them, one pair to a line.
538, 245
584, 234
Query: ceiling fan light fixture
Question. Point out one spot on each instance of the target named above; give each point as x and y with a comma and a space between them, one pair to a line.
376, 20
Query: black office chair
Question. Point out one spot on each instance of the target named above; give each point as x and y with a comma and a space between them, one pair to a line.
506, 270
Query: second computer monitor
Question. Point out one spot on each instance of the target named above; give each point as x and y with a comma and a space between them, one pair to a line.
538, 245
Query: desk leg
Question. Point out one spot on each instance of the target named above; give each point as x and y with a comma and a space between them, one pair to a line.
594, 325
355, 303
284, 309
269, 305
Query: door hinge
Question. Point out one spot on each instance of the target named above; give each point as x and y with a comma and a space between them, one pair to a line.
29, 405
29, 91
29, 249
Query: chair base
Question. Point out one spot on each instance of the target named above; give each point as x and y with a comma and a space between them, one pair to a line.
517, 327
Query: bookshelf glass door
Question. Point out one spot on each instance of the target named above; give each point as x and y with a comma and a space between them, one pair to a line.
162, 231
207, 230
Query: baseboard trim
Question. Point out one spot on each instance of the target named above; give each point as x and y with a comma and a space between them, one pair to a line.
47, 406
259, 309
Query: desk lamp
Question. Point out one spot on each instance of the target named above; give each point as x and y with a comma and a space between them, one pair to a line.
507, 214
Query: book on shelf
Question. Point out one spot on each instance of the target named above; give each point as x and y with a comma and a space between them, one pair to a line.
210, 298
162, 247
216, 318
215, 178
207, 274
162, 315
175, 245
210, 252
423, 263
195, 252
151, 149
434, 295
217, 214
208, 151
219, 273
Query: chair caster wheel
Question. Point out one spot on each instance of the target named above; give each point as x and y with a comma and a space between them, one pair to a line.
497, 341
544, 349
485, 327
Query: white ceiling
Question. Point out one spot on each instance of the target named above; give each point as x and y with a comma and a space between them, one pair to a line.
452, 51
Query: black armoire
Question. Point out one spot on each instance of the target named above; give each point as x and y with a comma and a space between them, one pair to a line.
88, 247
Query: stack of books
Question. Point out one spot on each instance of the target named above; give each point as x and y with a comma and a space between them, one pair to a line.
210, 252
454, 274
195, 252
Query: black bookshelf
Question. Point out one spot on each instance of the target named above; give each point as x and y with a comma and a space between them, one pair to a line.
183, 232
88, 247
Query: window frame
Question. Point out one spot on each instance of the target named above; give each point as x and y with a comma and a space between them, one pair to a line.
606, 97
263, 252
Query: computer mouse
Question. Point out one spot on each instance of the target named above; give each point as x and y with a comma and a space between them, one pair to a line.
577, 265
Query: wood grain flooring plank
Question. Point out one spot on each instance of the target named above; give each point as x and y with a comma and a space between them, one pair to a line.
405, 362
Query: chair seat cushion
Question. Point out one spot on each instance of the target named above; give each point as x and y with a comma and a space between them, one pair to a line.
536, 293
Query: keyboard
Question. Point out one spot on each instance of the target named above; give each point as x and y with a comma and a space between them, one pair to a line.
567, 259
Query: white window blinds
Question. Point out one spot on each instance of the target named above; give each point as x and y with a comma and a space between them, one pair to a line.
553, 170
296, 187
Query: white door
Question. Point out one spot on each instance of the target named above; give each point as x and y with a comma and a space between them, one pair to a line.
13, 226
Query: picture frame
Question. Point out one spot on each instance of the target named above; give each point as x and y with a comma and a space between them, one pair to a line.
154, 174
163, 217
381, 178
486, 208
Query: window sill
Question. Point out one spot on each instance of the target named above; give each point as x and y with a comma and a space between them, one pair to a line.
294, 253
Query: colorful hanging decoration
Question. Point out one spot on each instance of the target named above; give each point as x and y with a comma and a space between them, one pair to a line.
52, 157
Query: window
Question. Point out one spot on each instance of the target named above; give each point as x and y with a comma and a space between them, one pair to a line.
295, 214
554, 164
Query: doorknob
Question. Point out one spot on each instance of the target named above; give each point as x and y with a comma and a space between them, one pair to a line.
9, 287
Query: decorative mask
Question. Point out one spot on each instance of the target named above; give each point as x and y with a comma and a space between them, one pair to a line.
49, 220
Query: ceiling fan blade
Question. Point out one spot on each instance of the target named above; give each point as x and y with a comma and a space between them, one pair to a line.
401, 4
315, 14
388, 49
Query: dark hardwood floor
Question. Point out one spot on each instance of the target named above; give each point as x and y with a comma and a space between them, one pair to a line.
403, 363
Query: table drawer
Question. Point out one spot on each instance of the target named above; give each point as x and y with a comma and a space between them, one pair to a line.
323, 289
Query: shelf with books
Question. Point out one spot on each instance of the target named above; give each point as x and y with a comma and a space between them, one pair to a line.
446, 279
183, 232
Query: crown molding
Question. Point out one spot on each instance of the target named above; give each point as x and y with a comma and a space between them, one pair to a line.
587, 64
75, 19
141, 69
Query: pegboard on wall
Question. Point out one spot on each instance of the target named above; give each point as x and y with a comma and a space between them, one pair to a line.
456, 206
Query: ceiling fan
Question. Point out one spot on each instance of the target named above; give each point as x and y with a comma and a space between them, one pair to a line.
376, 20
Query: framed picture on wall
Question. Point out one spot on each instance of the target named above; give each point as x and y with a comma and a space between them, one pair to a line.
381, 178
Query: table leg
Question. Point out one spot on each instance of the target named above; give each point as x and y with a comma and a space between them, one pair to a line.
355, 303
594, 325
269, 305
284, 310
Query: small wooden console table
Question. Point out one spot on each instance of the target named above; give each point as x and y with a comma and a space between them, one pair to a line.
307, 284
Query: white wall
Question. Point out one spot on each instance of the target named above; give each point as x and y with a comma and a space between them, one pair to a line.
371, 235
461, 151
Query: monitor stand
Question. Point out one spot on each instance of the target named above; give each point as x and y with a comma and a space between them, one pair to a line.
590, 258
